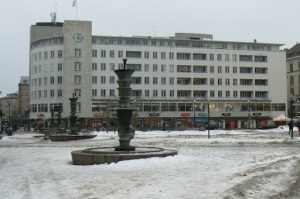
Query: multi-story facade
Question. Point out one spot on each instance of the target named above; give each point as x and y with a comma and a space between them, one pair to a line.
175, 80
23, 101
293, 75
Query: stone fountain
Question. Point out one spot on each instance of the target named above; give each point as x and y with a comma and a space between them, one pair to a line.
58, 135
124, 151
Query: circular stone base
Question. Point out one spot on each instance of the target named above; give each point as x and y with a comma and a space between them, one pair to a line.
68, 137
108, 155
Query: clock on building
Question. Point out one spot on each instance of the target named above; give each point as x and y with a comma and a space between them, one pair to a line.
77, 37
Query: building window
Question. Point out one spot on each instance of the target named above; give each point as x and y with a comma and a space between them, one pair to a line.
235, 94
59, 79
234, 58
212, 81
171, 80
199, 69
227, 82
146, 80
211, 57
77, 66
163, 81
183, 56
120, 54
163, 55
220, 94
227, 57
171, 55
146, 67
112, 66
111, 79
172, 93
219, 81
52, 54
45, 55
246, 70
163, 68
77, 79
52, 81
103, 53
234, 69
78, 107
155, 93
171, 68
234, 82
94, 92
111, 53
59, 67
261, 70
184, 69
226, 69
146, 55
103, 79
163, 93
51, 93
212, 94
154, 67
154, 55
94, 79
111, 92
59, 93
260, 58
94, 66
219, 57
227, 93
59, 54
94, 53
77, 52
147, 93
246, 58
103, 66
154, 80
219, 69
103, 92
212, 69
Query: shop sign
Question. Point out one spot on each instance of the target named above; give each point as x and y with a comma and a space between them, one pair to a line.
205, 120
202, 114
153, 114
226, 114
185, 114
256, 114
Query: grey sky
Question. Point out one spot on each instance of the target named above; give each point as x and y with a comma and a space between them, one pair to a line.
273, 21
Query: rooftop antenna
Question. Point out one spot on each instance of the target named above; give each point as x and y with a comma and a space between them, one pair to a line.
53, 14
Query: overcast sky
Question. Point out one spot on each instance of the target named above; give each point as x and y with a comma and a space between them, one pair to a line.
273, 21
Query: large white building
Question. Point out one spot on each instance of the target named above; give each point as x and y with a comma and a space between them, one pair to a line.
176, 77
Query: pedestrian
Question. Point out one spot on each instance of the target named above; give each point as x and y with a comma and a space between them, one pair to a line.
290, 127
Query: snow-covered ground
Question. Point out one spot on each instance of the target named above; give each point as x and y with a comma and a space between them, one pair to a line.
231, 164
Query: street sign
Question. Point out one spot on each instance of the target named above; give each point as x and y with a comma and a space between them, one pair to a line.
202, 114
226, 114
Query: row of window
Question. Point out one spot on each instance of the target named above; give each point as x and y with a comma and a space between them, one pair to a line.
173, 106
156, 93
175, 43
155, 81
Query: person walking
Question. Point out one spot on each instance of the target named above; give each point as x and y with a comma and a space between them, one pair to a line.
290, 127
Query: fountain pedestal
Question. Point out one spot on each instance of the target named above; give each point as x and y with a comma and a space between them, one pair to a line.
126, 132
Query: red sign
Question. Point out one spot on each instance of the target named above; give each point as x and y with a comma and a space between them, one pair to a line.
185, 114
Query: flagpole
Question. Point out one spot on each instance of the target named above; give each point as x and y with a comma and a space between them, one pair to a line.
76, 9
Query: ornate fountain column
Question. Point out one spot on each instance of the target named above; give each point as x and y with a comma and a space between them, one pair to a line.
124, 109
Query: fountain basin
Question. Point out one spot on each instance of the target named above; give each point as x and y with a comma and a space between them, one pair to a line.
106, 155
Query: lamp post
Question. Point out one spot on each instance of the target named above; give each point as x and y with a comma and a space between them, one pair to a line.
194, 107
9, 120
292, 113
248, 114
208, 119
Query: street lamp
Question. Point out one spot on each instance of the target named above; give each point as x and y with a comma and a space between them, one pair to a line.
9, 132
208, 119
248, 114
292, 113
194, 107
